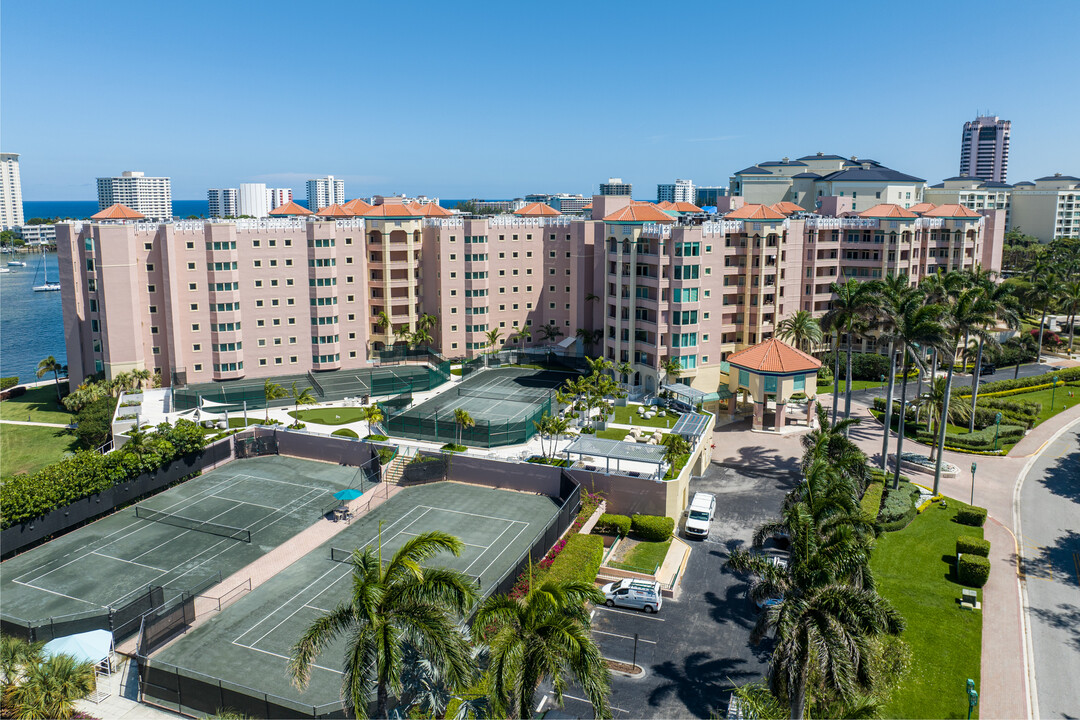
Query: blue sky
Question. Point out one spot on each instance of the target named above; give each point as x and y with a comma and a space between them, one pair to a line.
502, 99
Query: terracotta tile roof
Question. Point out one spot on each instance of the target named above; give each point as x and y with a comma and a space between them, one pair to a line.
887, 210
922, 207
640, 212
536, 209
754, 212
587, 207
951, 211
357, 206
117, 212
680, 207
335, 211
786, 208
290, 208
774, 356
432, 209
393, 210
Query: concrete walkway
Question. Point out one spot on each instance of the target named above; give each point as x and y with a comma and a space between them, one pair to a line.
34, 424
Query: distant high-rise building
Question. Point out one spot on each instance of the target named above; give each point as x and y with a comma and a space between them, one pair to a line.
679, 191
566, 203
709, 195
223, 202
151, 196
324, 192
615, 186
279, 196
11, 210
254, 199
984, 148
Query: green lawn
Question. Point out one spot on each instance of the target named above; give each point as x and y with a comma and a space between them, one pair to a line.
612, 433
913, 570
856, 385
644, 557
40, 403
1060, 396
329, 415
345, 432
27, 449
628, 415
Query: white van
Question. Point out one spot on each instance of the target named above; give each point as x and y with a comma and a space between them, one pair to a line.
699, 515
641, 594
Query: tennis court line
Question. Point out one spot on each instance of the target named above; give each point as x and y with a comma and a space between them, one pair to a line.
132, 562
463, 512
283, 657
245, 502
483, 547
283, 482
53, 592
488, 566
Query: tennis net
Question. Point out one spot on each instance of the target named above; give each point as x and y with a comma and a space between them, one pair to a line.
534, 397
191, 524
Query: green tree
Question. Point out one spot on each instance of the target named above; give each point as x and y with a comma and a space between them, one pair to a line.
493, 336
801, 329
52, 365
586, 337
543, 636
854, 303
550, 332
625, 370
1045, 287
1070, 298
463, 420
422, 336
392, 606
523, 333
301, 397
675, 446
671, 368
49, 688
893, 291
1004, 309
16, 655
932, 402
93, 423
382, 320
272, 391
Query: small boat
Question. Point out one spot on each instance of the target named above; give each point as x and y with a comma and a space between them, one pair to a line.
4, 270
16, 263
52, 286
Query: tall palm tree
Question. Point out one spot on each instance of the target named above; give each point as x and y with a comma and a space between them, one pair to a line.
49, 688
625, 370
586, 337
550, 332
933, 404
426, 321
301, 397
374, 415
141, 376
402, 334
543, 429
1070, 298
382, 320
671, 368
422, 336
829, 442
524, 334
894, 290
52, 365
1044, 290
917, 326
1005, 309
391, 606
272, 391
463, 420
801, 328
853, 303
543, 636
675, 446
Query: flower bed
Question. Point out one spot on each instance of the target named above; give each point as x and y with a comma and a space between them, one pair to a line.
574, 564
925, 463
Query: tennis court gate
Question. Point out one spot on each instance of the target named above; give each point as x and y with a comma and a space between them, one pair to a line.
256, 446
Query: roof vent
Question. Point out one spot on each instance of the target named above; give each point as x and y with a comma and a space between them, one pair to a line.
854, 158
784, 160
820, 154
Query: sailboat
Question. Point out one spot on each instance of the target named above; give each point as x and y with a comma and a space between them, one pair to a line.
48, 286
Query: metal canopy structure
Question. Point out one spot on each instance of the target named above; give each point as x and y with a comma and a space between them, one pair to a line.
688, 396
692, 425
588, 448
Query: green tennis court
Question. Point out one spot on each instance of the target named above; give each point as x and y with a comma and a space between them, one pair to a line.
248, 644
205, 528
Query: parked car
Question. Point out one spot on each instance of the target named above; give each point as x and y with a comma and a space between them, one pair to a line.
699, 515
987, 369
639, 594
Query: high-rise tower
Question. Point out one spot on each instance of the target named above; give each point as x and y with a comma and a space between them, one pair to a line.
984, 148
11, 209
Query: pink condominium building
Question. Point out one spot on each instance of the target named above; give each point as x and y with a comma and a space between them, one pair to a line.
208, 301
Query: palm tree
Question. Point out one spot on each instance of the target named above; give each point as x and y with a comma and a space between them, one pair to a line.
392, 606
543, 428
51, 365
592, 297
382, 320
16, 655
854, 302
463, 420
272, 391
422, 336
1005, 309
493, 336
675, 446
301, 397
543, 636
374, 415
586, 338
1070, 298
1044, 291
426, 321
140, 376
625, 370
523, 333
551, 332
829, 442
894, 290
559, 425
671, 368
933, 403
402, 334
49, 688
801, 329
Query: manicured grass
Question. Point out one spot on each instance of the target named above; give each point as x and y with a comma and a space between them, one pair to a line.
613, 433
628, 415
1060, 396
871, 499
856, 385
40, 403
913, 569
644, 557
453, 447
679, 464
455, 371
329, 415
345, 432
27, 449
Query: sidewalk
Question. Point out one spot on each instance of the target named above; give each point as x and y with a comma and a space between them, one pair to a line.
34, 424
1003, 689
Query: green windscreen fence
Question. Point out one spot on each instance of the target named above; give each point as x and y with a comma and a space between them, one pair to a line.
439, 426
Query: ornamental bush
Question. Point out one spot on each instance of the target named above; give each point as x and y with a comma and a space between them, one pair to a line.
864, 366
971, 545
978, 440
972, 570
652, 528
1064, 375
8, 382
578, 560
972, 516
898, 508
613, 524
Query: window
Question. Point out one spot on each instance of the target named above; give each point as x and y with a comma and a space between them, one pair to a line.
191, 266
193, 286
153, 329
151, 288
194, 327
147, 246
744, 378
198, 366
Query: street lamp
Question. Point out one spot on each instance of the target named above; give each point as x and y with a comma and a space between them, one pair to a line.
997, 429
1053, 391
972, 501
882, 386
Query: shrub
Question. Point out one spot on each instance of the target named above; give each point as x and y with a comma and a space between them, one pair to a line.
1064, 375
8, 382
898, 508
376, 438
578, 560
652, 528
345, 432
973, 516
978, 440
864, 366
94, 422
971, 545
871, 499
615, 524
972, 570
453, 447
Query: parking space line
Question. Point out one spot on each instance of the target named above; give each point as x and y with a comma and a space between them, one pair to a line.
644, 616
626, 637
568, 696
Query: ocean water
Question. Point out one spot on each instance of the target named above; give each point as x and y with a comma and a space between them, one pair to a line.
31, 323
82, 209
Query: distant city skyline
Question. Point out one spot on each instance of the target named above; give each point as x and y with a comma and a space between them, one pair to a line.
679, 111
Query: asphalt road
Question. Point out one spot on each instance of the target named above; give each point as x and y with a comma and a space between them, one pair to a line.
698, 645
1050, 524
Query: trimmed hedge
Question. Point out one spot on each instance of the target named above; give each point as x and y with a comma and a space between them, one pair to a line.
579, 560
972, 516
617, 524
1064, 375
971, 545
345, 432
871, 499
978, 440
898, 508
8, 382
652, 528
864, 366
972, 570
1023, 390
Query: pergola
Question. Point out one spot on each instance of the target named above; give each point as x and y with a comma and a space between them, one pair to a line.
639, 456
685, 394
692, 425
773, 371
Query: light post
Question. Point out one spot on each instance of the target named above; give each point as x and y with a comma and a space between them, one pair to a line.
882, 386
1053, 391
997, 429
972, 501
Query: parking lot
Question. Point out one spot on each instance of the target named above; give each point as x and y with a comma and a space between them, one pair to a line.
698, 645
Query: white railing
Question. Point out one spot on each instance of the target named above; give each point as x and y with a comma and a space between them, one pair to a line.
444, 222
656, 230
529, 222
292, 223
925, 223
831, 223
353, 224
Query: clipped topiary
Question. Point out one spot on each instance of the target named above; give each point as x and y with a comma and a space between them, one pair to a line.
971, 545
973, 516
613, 524
972, 570
652, 528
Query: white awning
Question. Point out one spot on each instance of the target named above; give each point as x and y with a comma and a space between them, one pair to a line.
567, 342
